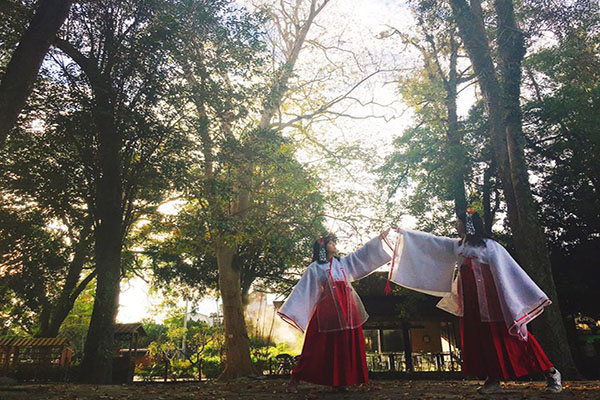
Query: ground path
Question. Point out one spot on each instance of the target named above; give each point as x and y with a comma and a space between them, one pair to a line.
273, 389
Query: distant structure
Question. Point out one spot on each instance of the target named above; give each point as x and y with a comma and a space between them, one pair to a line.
38, 359
406, 331
128, 357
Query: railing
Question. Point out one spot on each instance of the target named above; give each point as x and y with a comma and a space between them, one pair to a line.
422, 362
283, 364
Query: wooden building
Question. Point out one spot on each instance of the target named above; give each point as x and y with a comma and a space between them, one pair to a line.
35, 358
127, 336
406, 331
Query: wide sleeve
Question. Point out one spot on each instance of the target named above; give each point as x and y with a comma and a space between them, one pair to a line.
521, 299
366, 259
300, 304
425, 262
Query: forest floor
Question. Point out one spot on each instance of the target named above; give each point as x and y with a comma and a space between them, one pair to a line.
274, 389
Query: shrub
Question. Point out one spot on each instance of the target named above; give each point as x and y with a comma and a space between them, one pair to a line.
181, 369
212, 367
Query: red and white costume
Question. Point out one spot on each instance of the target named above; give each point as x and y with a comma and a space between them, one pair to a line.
491, 294
324, 300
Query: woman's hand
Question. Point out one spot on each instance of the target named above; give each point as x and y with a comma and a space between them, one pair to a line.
383, 235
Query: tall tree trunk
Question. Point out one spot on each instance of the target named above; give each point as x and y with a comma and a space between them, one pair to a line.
237, 343
237, 350
407, 344
238, 362
44, 318
455, 147
109, 228
488, 218
22, 69
247, 275
99, 345
455, 152
502, 104
457, 155
530, 242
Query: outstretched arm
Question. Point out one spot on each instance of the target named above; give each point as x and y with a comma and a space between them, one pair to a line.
366, 259
425, 262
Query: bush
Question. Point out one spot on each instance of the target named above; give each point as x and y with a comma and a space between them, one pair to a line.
212, 367
148, 372
39, 373
181, 369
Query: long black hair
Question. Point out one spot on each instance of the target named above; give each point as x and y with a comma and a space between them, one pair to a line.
475, 239
321, 255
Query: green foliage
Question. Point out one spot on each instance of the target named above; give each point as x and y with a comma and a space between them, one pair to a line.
205, 347
224, 89
33, 262
212, 367
437, 158
165, 341
275, 235
45, 225
44, 234
562, 121
13, 22
77, 322
561, 118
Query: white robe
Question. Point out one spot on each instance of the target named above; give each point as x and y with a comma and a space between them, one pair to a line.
301, 303
427, 263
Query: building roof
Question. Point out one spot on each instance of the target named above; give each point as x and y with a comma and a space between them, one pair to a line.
401, 304
130, 329
35, 342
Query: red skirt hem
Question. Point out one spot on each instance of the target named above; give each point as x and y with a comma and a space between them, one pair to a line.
488, 349
332, 358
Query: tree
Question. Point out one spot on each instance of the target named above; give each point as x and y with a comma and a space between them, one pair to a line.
75, 325
116, 78
560, 118
46, 229
501, 87
435, 53
216, 68
560, 114
41, 273
237, 350
231, 121
278, 234
22, 69
440, 154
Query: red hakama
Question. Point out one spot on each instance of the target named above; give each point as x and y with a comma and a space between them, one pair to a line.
488, 350
334, 358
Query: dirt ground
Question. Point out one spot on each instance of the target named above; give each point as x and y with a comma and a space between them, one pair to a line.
267, 389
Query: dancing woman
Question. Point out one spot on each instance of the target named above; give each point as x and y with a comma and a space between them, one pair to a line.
491, 294
323, 300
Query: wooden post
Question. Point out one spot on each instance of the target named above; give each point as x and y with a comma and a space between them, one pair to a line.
407, 347
166, 359
132, 358
200, 369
